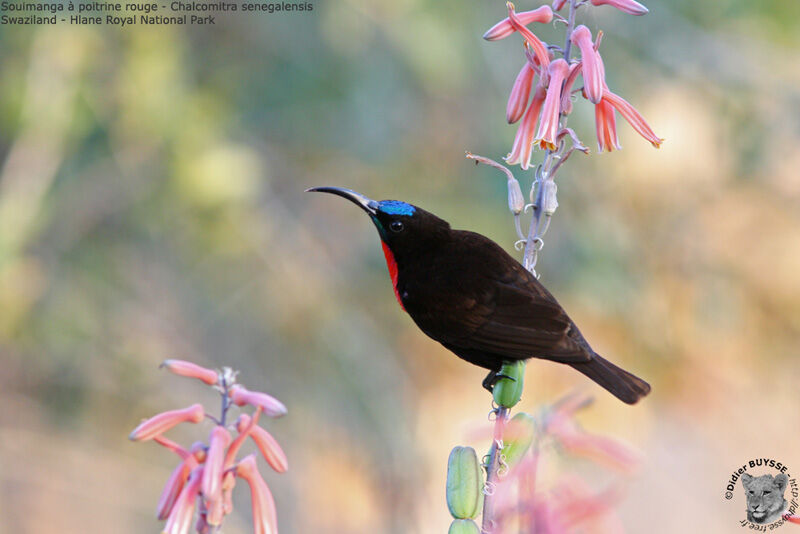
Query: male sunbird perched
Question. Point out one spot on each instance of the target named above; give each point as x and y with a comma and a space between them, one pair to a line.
463, 290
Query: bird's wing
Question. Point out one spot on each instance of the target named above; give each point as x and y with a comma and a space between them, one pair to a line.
512, 316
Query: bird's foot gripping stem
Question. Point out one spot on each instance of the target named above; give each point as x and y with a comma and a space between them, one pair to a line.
493, 378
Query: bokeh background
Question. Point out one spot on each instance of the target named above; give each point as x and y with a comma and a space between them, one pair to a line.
152, 207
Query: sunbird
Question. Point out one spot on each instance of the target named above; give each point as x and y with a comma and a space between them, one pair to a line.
464, 291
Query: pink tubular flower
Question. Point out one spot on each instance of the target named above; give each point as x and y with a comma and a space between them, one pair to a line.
520, 93
504, 28
633, 117
264, 515
212, 474
606, 125
593, 77
523, 142
244, 424
181, 516
538, 46
270, 449
558, 4
174, 486
272, 407
628, 6
191, 370
548, 125
162, 422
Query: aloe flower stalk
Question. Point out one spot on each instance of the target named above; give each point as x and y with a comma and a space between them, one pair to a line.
202, 484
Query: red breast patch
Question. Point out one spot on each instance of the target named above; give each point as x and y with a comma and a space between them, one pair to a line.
392, 265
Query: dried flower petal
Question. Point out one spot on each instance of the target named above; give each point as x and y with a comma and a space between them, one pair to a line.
191, 370
264, 515
272, 407
520, 93
628, 6
633, 117
504, 28
162, 422
548, 124
593, 75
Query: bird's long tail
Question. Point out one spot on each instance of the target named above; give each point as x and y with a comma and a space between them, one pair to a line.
622, 384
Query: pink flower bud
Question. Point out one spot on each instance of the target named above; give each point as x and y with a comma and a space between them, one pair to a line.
633, 117
504, 28
522, 148
270, 449
538, 46
520, 93
628, 6
212, 474
180, 518
174, 486
548, 125
272, 407
191, 370
558, 4
593, 77
264, 515
162, 422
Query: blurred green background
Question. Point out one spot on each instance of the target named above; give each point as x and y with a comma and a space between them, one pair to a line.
152, 207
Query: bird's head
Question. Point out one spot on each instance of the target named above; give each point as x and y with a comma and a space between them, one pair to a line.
402, 226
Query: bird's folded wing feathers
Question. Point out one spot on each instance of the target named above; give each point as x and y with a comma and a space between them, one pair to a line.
517, 323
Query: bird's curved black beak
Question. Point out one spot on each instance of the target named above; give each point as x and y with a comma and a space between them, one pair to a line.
367, 204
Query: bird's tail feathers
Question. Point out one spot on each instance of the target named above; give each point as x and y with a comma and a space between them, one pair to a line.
625, 386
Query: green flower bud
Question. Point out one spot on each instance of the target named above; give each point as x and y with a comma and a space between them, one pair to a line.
507, 391
518, 437
463, 526
464, 483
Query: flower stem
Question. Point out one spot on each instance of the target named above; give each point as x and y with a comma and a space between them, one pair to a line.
543, 207
488, 522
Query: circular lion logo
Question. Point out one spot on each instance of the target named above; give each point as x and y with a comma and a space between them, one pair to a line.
765, 500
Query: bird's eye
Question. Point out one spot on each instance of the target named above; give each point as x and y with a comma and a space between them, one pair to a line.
396, 226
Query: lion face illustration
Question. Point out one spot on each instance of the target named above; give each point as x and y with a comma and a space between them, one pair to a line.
765, 500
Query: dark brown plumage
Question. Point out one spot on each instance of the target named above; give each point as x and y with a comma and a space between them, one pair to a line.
463, 290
